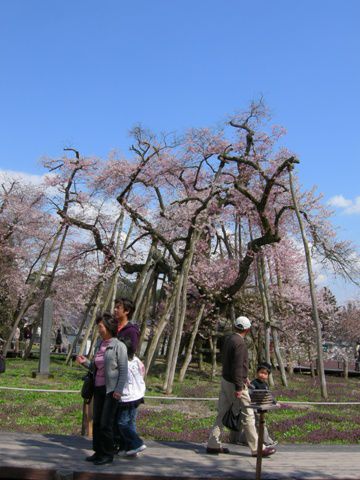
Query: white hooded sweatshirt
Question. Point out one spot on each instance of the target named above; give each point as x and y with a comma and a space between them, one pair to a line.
135, 386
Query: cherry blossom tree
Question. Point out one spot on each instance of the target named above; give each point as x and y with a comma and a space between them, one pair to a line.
189, 185
203, 227
25, 237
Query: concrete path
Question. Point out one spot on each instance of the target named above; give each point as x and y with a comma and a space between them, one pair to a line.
56, 457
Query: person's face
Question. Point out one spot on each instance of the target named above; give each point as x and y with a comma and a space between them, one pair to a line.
263, 374
103, 332
120, 313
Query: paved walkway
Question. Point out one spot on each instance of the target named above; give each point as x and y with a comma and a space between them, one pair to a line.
56, 457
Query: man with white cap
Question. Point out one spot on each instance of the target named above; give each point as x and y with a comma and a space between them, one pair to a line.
234, 391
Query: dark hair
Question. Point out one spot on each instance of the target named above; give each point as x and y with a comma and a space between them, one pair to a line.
128, 305
264, 366
129, 346
109, 323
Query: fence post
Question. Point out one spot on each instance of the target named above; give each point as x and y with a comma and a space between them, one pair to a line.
87, 419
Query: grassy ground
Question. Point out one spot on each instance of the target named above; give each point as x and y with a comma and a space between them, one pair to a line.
60, 413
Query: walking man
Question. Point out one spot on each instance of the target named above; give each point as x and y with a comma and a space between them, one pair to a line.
234, 391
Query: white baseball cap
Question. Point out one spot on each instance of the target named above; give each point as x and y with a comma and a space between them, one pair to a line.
242, 323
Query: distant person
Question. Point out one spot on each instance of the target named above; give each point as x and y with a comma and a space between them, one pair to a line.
357, 356
259, 383
234, 391
111, 371
2, 364
58, 341
16, 340
27, 334
132, 397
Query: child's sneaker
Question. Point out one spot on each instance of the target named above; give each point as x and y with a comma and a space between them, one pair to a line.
121, 453
130, 453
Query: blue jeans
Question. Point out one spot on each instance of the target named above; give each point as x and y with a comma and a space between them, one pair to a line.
126, 422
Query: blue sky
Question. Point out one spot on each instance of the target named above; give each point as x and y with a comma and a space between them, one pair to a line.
81, 73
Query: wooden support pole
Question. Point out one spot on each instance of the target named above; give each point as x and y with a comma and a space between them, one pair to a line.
87, 419
260, 444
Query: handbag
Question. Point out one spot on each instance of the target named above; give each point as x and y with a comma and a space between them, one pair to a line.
231, 420
2, 364
87, 389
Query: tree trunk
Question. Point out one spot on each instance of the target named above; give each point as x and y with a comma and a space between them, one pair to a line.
153, 313
289, 360
213, 346
96, 308
346, 368
109, 301
138, 292
199, 346
311, 363
35, 284
89, 306
315, 313
174, 338
266, 312
180, 313
143, 315
278, 355
273, 327
164, 319
47, 291
102, 304
188, 355
290, 365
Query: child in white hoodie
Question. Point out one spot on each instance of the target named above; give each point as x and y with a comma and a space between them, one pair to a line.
131, 398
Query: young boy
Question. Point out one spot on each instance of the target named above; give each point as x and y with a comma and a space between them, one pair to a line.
260, 383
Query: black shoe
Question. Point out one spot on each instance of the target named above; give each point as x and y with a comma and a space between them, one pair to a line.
103, 460
92, 457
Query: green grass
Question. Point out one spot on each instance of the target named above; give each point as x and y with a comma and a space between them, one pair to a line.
61, 413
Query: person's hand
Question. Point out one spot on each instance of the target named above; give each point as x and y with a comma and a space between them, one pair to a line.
247, 381
80, 359
238, 393
117, 395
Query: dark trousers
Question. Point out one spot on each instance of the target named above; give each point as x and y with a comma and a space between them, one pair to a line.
105, 407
